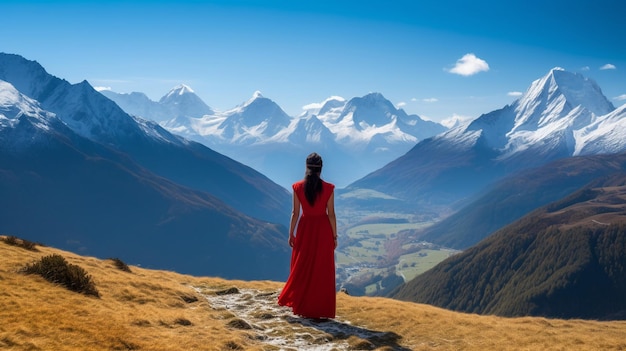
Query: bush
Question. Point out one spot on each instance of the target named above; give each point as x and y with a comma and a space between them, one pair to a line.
25, 244
55, 269
121, 265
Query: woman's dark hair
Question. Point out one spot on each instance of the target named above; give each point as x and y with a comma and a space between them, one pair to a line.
312, 180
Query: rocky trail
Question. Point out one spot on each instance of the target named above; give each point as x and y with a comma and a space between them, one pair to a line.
275, 326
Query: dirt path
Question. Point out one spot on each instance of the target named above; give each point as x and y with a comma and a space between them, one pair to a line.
274, 325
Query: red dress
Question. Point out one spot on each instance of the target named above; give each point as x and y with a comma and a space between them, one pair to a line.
310, 288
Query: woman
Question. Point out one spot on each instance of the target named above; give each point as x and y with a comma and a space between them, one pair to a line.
310, 288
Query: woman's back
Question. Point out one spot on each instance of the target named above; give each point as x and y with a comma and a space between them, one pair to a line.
319, 207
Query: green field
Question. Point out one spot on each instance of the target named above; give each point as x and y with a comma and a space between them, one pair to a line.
414, 264
362, 259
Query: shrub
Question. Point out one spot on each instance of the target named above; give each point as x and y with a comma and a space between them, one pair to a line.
121, 265
55, 269
25, 244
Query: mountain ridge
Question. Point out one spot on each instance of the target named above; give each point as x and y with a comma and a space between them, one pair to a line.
514, 196
65, 174
256, 129
547, 127
96, 117
564, 260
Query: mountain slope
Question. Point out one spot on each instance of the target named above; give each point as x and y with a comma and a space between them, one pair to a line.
65, 190
161, 310
565, 260
97, 118
549, 122
516, 195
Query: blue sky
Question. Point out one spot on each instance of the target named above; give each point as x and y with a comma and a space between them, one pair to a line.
437, 59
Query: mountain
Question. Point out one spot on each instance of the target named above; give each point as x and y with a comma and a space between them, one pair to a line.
355, 137
93, 116
181, 101
365, 120
517, 195
74, 172
565, 260
561, 114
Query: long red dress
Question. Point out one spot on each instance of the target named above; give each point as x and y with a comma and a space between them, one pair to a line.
310, 288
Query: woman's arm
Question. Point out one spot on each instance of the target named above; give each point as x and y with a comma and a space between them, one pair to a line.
295, 213
330, 209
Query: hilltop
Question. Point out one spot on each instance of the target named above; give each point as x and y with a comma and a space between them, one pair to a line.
162, 310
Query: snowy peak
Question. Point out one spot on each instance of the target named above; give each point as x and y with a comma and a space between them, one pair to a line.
333, 105
555, 95
14, 105
561, 114
179, 90
257, 98
256, 120
181, 101
371, 110
22, 121
257, 95
27, 76
311, 130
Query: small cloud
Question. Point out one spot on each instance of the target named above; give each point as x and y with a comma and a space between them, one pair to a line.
620, 98
515, 93
430, 100
319, 105
413, 99
102, 88
608, 66
586, 68
455, 120
469, 65
313, 106
401, 104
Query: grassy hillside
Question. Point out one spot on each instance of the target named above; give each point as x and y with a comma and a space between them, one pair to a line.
161, 310
566, 260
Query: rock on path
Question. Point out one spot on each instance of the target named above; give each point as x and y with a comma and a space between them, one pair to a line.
274, 325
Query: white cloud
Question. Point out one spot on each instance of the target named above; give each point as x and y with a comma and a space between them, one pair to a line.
608, 66
430, 100
515, 93
102, 88
586, 68
413, 99
620, 98
313, 106
455, 120
318, 105
401, 104
469, 65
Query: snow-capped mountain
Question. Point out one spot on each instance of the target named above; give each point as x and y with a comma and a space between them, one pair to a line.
75, 169
254, 122
22, 121
373, 123
328, 110
544, 123
359, 135
180, 102
605, 135
562, 114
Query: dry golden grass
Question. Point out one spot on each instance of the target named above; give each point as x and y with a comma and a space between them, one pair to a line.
161, 310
